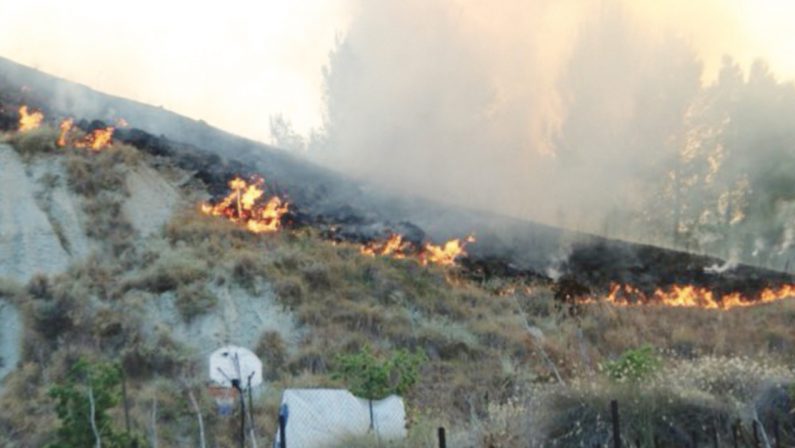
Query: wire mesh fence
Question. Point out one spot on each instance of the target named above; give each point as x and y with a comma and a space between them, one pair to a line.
753, 434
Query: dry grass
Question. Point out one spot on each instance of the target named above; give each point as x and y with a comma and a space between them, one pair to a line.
686, 397
482, 360
35, 142
194, 299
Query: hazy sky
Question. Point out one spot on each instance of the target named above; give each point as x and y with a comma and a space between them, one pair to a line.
231, 62
234, 63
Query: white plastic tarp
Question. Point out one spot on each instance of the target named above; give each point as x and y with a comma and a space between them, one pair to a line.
319, 418
231, 362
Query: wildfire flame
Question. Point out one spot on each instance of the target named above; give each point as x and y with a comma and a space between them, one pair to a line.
693, 296
65, 127
393, 246
96, 140
242, 205
29, 121
446, 254
397, 247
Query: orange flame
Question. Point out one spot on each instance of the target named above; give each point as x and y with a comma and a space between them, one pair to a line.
65, 127
397, 247
242, 206
446, 254
394, 246
29, 121
693, 296
96, 140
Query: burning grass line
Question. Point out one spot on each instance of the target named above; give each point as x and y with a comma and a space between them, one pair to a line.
244, 205
691, 296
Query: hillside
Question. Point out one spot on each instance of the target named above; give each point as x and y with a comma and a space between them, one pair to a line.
107, 256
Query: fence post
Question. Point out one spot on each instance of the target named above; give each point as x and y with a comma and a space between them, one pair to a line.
284, 412
776, 433
616, 425
282, 431
442, 438
735, 435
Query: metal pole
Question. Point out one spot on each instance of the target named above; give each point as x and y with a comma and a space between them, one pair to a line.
282, 431
442, 438
242, 398
251, 413
735, 434
616, 426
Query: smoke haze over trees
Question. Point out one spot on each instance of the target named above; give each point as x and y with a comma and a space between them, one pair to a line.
581, 117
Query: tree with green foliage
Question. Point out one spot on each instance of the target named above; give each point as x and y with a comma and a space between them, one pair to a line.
372, 377
83, 400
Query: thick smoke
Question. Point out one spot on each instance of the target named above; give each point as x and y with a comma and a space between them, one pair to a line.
588, 115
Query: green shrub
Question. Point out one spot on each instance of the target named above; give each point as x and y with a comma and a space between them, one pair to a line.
633, 365
374, 378
82, 404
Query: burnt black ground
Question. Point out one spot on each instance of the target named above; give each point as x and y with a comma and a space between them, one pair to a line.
506, 247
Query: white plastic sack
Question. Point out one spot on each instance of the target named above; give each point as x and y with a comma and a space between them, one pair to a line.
319, 418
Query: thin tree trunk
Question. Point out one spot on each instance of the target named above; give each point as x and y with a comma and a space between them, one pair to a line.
677, 206
765, 440
154, 422
125, 402
370, 403
251, 430
198, 412
92, 416
537, 344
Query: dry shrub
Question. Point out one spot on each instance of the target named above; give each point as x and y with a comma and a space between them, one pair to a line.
162, 356
10, 289
57, 310
36, 141
91, 173
106, 222
290, 291
173, 269
24, 406
213, 237
194, 299
247, 269
505, 424
97, 276
273, 351
447, 339
684, 398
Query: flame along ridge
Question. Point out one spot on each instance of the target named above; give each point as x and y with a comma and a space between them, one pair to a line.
691, 296
245, 205
95, 140
396, 246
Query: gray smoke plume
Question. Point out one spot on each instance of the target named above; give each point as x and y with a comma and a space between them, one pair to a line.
581, 117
